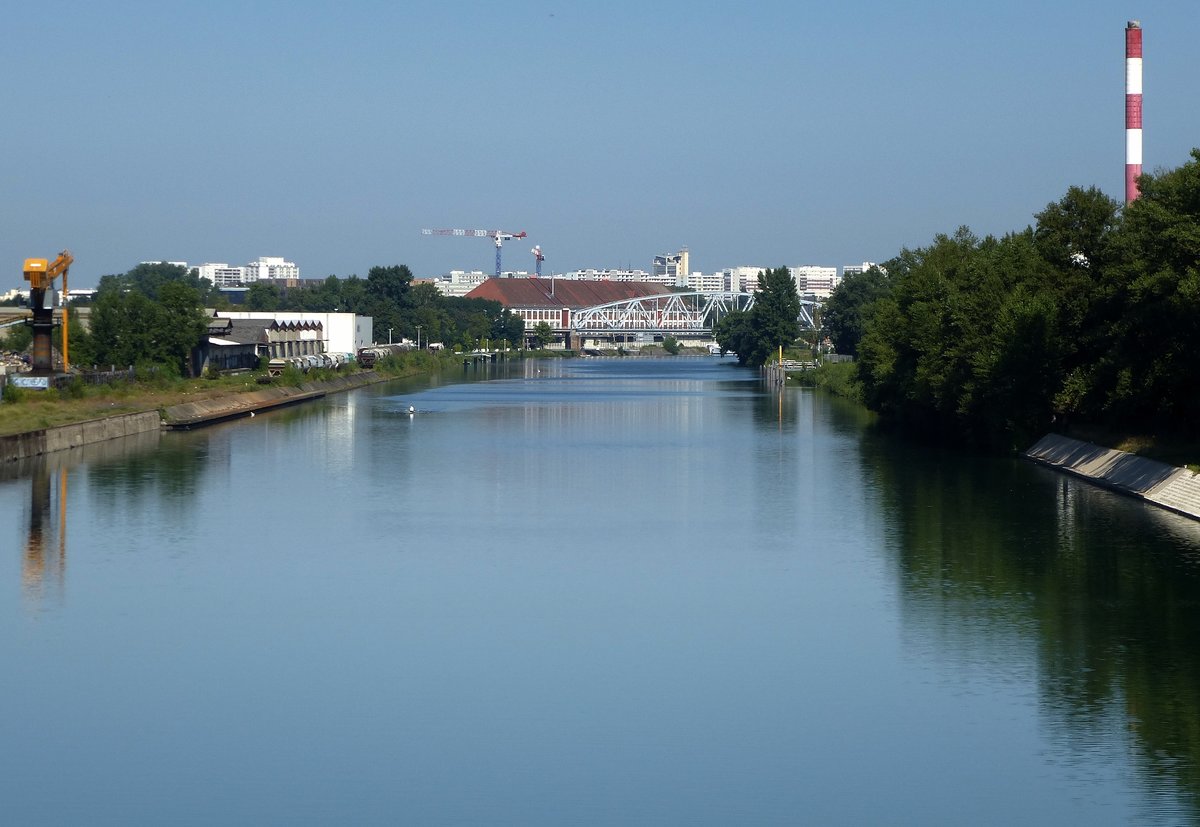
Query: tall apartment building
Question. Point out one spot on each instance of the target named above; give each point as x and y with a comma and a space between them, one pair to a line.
743, 279
221, 274
607, 274
671, 268
814, 280
706, 282
857, 269
460, 282
267, 267
271, 267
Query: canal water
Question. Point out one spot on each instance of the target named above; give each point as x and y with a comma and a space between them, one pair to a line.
587, 591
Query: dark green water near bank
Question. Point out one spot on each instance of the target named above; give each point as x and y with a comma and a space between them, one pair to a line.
588, 591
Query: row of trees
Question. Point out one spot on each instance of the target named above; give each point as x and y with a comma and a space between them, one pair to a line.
155, 313
1090, 314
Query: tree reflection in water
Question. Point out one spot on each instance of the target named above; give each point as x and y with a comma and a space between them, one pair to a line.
1106, 589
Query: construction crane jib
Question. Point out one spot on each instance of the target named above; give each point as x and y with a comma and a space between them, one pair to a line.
499, 236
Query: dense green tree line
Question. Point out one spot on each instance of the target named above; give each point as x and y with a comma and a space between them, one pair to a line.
151, 315
1089, 315
155, 313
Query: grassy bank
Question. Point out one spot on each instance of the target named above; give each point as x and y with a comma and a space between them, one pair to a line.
31, 410
836, 377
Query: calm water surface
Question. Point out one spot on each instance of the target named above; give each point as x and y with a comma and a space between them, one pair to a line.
587, 591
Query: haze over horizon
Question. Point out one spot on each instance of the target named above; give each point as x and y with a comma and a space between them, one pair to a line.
783, 134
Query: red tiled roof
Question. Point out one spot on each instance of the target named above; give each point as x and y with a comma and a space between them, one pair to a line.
535, 292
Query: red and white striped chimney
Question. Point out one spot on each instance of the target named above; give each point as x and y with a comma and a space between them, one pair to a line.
1133, 108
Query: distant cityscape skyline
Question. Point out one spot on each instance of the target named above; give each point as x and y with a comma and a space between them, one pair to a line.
844, 131
222, 274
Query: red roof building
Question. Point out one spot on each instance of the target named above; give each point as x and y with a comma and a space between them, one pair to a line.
552, 300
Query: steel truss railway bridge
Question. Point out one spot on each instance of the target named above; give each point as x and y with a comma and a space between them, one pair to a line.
683, 315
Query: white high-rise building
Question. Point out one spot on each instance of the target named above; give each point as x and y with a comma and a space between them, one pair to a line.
857, 269
743, 279
461, 282
814, 280
271, 267
671, 268
706, 282
607, 274
221, 274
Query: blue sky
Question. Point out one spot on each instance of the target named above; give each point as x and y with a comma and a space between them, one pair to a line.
764, 134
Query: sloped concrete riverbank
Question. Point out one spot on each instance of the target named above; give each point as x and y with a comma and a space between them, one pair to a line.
182, 416
208, 411
1167, 486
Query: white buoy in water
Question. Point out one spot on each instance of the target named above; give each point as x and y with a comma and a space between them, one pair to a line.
411, 410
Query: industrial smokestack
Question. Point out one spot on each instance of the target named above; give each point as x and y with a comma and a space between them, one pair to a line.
1133, 108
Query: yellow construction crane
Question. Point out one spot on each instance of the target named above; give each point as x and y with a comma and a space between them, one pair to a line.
41, 273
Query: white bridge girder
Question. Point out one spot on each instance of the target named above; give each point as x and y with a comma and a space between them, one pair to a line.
692, 314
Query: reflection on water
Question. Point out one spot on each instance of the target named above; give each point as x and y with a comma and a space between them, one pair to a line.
650, 591
1016, 571
44, 565
47, 509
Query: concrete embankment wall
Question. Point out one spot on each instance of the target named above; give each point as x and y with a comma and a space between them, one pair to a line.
1177, 489
188, 415
35, 443
207, 411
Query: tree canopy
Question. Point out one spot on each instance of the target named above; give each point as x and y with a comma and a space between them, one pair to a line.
845, 313
128, 327
1090, 315
773, 322
149, 278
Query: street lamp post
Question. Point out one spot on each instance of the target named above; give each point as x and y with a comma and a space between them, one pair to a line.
418, 337
389, 335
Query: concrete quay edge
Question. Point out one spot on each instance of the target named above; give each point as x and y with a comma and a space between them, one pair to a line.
188, 415
203, 412
1167, 486
17, 447
24, 446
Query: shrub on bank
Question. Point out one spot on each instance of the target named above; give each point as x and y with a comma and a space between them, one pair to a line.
838, 378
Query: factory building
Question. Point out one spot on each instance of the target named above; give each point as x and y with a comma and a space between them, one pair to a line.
340, 332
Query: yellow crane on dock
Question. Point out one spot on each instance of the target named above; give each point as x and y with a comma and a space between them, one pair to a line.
41, 273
